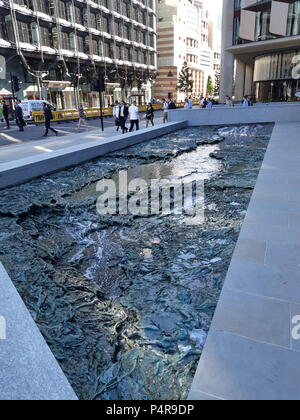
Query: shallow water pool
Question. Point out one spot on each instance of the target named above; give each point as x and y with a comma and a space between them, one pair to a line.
125, 303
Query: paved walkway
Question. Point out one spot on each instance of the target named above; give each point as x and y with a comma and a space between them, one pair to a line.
20, 149
35, 133
52, 143
250, 353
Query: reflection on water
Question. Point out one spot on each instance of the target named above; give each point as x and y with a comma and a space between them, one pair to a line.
193, 166
196, 165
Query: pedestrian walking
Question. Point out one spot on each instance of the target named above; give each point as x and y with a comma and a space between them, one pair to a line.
172, 105
116, 115
186, 103
134, 117
82, 118
245, 102
210, 104
150, 115
19, 116
122, 113
5, 111
204, 103
229, 102
48, 118
166, 111
190, 103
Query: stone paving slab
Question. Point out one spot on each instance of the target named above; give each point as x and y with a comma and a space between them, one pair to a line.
237, 368
250, 353
28, 369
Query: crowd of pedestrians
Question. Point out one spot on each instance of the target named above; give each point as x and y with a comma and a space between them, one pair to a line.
247, 102
18, 114
122, 112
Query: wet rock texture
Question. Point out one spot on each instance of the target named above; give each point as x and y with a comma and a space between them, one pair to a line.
125, 303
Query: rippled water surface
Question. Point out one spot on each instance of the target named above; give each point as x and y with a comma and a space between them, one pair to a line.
125, 303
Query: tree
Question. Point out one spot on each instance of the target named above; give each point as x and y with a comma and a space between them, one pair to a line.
210, 87
185, 82
217, 83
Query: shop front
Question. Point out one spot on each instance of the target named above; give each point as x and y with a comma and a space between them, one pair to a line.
61, 94
274, 79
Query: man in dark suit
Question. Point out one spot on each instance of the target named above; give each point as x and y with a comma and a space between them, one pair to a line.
48, 119
123, 113
19, 116
5, 110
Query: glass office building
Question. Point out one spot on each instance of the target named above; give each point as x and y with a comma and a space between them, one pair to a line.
261, 48
57, 47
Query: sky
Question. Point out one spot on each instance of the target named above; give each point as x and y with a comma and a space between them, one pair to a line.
215, 7
215, 10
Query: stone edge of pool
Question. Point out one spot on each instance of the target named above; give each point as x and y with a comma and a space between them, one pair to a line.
18, 170
250, 353
221, 115
28, 369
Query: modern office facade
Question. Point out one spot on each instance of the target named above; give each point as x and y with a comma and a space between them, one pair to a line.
183, 36
260, 51
57, 47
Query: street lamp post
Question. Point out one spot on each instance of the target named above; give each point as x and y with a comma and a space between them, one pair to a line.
99, 86
12, 87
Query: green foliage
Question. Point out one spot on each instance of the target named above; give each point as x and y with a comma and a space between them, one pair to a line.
185, 82
210, 87
217, 84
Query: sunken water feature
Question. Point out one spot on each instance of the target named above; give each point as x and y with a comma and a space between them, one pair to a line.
125, 303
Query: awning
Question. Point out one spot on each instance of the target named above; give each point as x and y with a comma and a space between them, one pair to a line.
31, 89
5, 92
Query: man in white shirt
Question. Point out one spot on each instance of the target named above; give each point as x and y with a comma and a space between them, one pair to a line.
116, 112
134, 117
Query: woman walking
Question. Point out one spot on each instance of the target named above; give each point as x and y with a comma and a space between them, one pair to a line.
150, 115
82, 118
